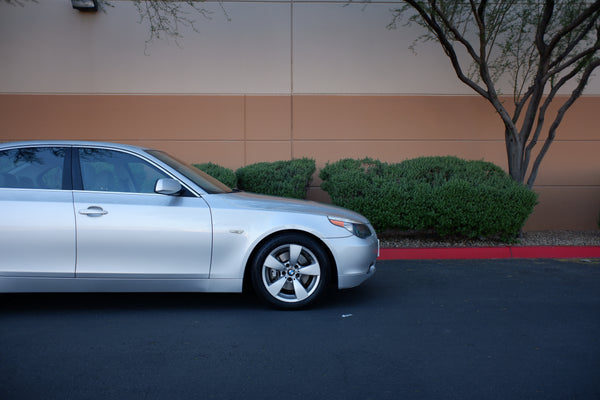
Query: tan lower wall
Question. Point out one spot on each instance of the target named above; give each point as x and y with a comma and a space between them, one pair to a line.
238, 130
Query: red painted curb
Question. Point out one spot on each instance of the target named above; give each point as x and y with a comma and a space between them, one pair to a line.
470, 253
556, 252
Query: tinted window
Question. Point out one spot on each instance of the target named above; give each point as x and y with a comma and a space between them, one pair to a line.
114, 171
32, 168
205, 181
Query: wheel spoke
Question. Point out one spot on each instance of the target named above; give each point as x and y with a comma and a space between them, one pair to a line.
312, 269
273, 263
294, 254
299, 290
276, 287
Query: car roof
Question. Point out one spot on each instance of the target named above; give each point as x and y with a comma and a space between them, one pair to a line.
71, 143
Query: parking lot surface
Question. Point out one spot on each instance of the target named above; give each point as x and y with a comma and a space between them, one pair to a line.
463, 329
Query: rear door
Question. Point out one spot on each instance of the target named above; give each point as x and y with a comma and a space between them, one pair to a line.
125, 230
37, 224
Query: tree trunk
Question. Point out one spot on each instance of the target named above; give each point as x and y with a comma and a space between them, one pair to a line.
514, 152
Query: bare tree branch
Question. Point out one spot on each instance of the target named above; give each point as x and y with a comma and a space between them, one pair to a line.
542, 113
448, 49
20, 3
543, 26
559, 117
574, 42
589, 12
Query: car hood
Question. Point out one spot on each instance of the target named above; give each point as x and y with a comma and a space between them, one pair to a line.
280, 204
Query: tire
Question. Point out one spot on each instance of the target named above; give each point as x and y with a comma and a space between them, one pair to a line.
290, 271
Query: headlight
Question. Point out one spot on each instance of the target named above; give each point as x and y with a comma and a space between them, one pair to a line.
357, 229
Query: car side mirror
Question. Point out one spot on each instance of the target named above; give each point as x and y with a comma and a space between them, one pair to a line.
167, 186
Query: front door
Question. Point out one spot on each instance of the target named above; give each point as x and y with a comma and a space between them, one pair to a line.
125, 230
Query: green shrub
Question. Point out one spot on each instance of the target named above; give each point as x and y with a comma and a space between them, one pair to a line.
443, 194
225, 175
279, 178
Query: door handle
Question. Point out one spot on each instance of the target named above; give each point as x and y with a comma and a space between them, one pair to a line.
93, 211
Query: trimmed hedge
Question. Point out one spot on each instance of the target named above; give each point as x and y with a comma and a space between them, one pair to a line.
447, 195
225, 175
279, 178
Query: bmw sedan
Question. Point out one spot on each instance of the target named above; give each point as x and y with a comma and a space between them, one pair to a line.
104, 217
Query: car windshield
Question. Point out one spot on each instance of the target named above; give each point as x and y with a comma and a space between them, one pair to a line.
200, 178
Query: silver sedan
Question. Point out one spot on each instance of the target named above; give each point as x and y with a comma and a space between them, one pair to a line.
104, 217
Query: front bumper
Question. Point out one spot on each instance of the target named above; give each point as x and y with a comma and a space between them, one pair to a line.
350, 281
355, 259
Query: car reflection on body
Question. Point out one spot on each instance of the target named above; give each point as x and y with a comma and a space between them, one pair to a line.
104, 217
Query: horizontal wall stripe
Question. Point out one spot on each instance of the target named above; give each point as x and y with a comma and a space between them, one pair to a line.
238, 130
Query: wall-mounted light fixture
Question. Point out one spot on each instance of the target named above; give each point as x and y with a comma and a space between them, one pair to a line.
85, 5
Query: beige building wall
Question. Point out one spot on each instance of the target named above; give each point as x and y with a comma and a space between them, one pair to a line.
271, 80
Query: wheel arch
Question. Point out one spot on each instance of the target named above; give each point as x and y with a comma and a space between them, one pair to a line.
247, 285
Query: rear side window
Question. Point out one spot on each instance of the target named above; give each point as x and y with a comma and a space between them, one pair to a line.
32, 168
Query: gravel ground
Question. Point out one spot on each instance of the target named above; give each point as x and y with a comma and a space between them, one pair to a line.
392, 239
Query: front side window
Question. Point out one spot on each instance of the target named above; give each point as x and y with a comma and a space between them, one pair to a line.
32, 168
114, 171
206, 182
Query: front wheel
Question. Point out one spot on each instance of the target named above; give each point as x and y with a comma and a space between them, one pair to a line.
290, 271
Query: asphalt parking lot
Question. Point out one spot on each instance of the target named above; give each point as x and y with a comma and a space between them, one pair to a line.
470, 329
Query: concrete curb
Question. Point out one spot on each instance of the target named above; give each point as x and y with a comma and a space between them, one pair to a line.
472, 253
